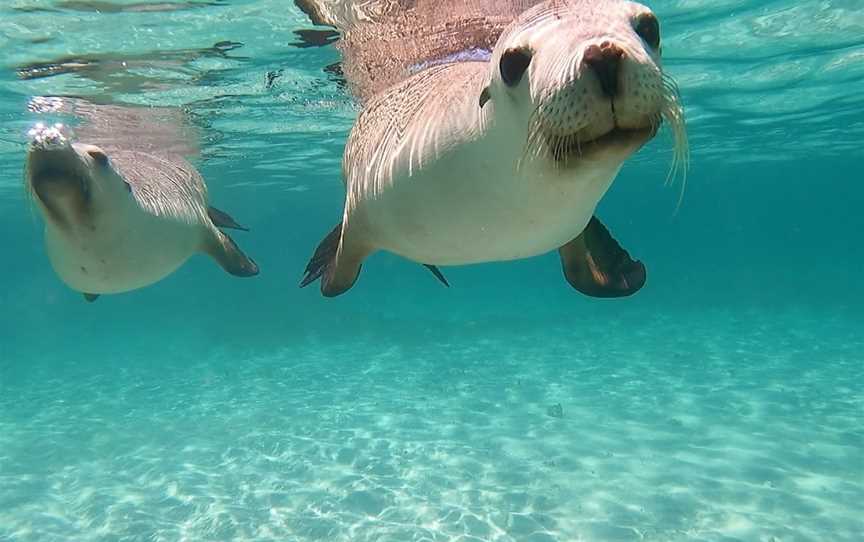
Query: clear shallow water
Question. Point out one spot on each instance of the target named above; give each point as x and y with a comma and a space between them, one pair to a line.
723, 402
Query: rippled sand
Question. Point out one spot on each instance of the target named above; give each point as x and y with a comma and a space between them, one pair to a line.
665, 428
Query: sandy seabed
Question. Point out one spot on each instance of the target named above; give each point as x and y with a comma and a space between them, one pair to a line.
716, 427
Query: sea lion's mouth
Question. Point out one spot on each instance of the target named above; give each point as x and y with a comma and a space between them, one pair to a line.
569, 148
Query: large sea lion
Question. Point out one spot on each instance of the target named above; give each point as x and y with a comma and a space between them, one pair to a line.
119, 219
469, 155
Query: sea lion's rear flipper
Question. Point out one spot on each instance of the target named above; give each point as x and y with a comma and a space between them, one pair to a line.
338, 270
91, 297
596, 265
221, 219
225, 251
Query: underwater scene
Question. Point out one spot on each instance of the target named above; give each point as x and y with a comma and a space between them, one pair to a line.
573, 270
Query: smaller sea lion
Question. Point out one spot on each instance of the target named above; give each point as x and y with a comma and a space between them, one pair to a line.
123, 219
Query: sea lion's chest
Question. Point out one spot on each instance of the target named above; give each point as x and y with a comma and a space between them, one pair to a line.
120, 249
475, 206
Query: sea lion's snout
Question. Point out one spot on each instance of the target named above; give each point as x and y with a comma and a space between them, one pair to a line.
50, 153
44, 137
602, 84
56, 173
595, 85
605, 61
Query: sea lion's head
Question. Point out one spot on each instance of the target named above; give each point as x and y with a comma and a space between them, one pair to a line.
69, 180
584, 80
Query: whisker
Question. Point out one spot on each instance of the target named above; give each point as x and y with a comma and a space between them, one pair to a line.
673, 113
562, 150
534, 142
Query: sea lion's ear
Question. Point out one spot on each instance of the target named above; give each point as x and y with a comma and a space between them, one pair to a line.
596, 265
98, 156
484, 97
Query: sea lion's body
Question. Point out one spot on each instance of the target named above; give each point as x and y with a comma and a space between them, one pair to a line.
119, 221
132, 249
507, 157
452, 199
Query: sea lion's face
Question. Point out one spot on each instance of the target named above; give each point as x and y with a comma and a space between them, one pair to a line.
69, 181
584, 79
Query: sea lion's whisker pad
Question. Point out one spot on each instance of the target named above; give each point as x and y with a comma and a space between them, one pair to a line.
475, 160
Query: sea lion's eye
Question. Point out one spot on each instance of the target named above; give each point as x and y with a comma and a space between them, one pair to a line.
648, 28
100, 157
514, 63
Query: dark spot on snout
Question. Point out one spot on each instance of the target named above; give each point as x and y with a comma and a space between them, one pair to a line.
83, 269
605, 61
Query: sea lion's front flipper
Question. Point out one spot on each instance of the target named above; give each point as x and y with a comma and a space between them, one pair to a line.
221, 219
337, 269
225, 251
596, 265
91, 297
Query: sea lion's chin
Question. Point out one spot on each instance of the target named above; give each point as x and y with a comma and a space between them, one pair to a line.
56, 187
617, 142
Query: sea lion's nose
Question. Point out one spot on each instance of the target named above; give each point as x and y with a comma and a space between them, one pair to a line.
48, 137
605, 61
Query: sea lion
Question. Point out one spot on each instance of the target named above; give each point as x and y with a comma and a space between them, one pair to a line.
122, 219
473, 159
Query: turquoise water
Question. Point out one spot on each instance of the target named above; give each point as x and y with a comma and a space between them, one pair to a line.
725, 401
